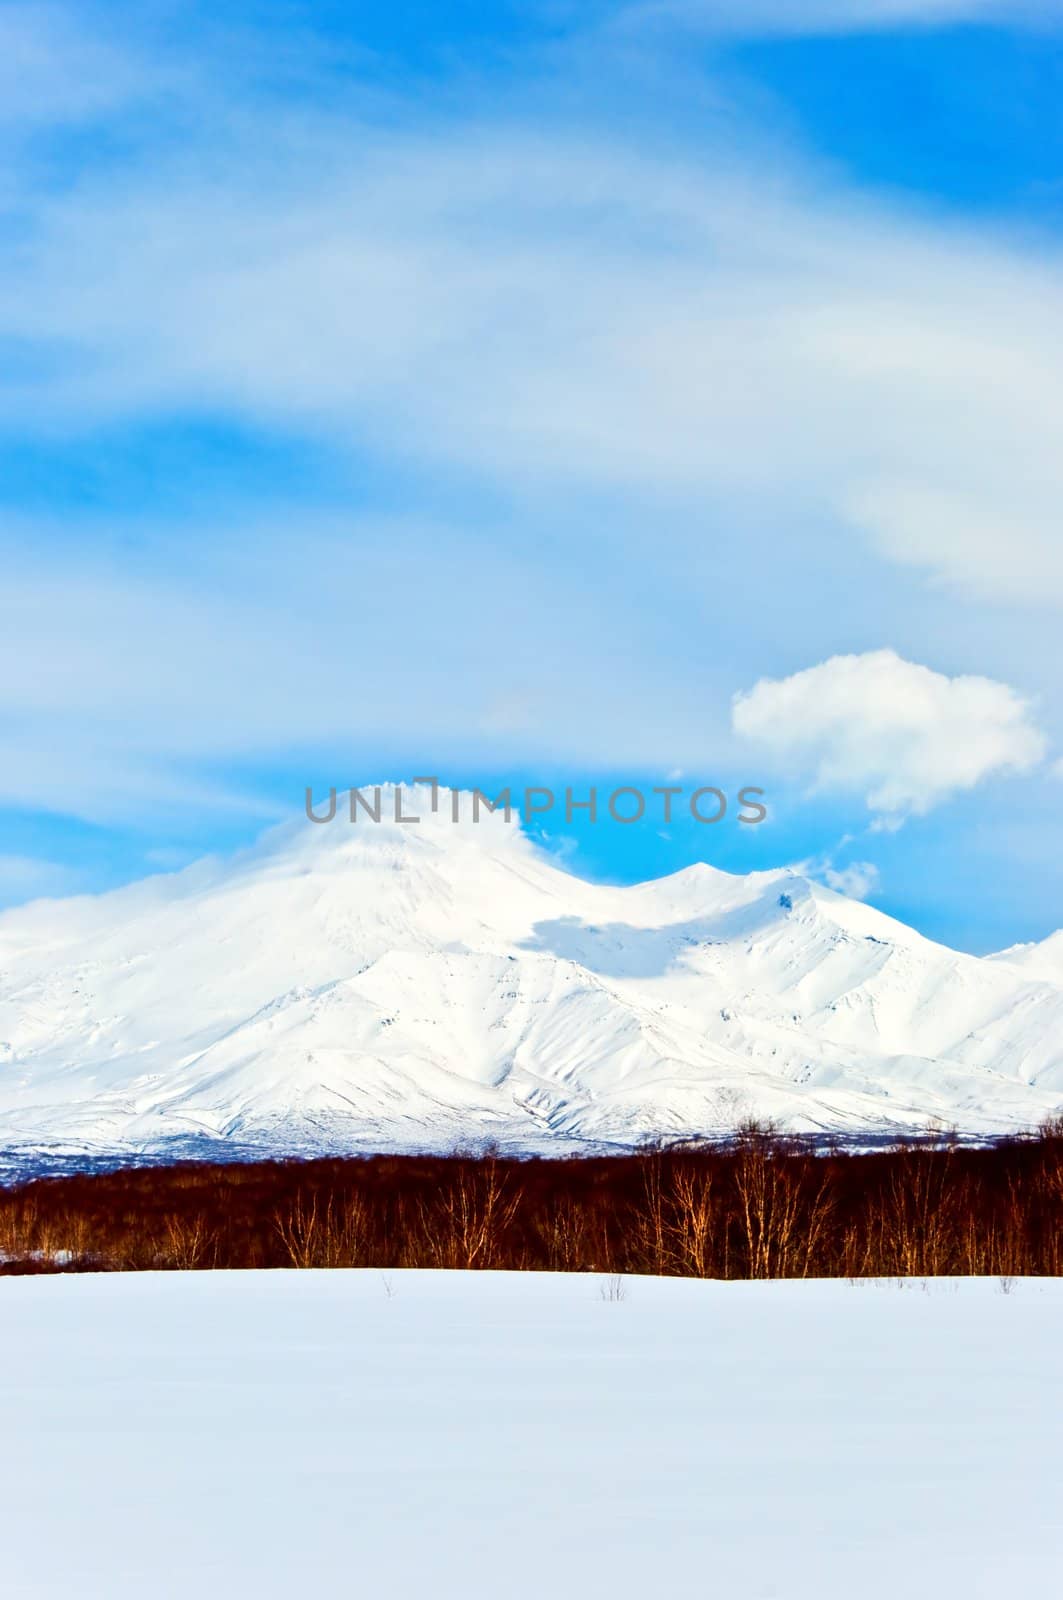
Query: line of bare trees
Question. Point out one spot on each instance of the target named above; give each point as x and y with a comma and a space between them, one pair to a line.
760, 1207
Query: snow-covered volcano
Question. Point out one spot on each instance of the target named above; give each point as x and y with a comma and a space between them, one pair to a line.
379, 986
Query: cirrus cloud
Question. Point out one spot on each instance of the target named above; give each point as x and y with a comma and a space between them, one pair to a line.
794, 18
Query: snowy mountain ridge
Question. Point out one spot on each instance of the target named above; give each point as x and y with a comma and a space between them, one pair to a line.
374, 986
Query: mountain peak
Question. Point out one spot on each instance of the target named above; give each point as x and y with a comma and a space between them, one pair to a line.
381, 984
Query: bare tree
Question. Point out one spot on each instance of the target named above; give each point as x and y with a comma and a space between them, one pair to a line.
332, 1234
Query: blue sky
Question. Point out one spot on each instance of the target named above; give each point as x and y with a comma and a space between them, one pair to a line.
505, 392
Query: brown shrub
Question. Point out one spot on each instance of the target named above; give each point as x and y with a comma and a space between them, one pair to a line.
760, 1206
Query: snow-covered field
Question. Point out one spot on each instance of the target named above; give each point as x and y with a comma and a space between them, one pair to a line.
504, 1435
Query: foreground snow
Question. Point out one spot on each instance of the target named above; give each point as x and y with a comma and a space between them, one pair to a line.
493, 1435
377, 987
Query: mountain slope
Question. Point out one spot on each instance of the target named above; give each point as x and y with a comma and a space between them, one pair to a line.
377, 986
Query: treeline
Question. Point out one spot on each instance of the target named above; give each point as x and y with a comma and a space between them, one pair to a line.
762, 1206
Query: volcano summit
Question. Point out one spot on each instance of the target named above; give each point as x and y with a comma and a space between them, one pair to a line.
390, 987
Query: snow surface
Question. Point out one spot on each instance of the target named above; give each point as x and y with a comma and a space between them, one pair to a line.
279, 1434
375, 986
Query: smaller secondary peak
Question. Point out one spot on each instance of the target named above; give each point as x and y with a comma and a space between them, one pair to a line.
1043, 960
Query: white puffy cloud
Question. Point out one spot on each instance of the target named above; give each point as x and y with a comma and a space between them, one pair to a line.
900, 734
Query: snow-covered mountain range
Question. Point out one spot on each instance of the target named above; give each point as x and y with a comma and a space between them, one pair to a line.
378, 986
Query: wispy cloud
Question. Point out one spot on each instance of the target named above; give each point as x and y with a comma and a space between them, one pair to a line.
122, 691
857, 879
29, 878
57, 69
640, 354
745, 18
563, 312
